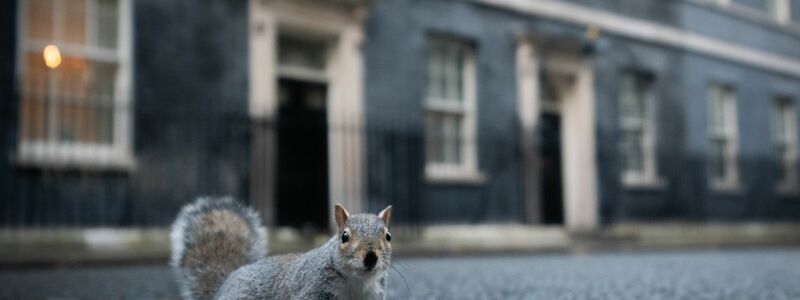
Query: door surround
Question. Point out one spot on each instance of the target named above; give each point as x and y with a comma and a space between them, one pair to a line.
342, 24
576, 104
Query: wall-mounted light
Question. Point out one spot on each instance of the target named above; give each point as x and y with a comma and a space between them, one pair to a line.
590, 37
592, 33
52, 57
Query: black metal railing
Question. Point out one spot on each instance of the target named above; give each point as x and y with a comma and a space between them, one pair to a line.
282, 166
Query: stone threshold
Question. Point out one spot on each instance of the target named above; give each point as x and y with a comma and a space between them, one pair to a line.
64, 246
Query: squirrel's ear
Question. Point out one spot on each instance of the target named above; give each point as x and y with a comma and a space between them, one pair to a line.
341, 216
386, 215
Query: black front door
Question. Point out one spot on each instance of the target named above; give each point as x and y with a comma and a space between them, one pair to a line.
302, 191
550, 158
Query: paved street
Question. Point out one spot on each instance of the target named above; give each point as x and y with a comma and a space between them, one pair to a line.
740, 274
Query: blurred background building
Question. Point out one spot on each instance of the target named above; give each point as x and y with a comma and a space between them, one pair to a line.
577, 113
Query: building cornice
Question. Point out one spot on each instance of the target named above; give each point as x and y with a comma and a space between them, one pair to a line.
639, 29
749, 15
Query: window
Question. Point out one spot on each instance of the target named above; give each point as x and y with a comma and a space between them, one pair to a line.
75, 64
637, 132
302, 58
784, 144
722, 134
778, 10
450, 111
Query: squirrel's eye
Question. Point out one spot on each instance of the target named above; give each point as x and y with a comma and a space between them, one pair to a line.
388, 237
345, 237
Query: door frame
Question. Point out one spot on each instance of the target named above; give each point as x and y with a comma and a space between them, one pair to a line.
579, 163
342, 24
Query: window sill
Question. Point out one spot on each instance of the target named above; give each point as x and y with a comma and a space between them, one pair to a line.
436, 176
726, 187
786, 189
73, 156
644, 183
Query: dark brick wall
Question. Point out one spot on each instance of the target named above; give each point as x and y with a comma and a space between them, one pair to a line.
682, 79
755, 91
191, 134
795, 6
395, 87
613, 58
191, 102
395, 59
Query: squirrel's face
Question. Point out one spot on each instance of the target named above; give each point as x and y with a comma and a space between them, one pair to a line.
364, 241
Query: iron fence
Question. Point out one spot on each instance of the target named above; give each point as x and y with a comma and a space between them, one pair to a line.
282, 166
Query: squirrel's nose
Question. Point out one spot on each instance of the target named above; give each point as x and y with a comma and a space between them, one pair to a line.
370, 260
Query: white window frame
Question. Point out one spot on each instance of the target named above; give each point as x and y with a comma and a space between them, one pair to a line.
304, 73
648, 176
730, 179
467, 170
786, 107
117, 154
782, 9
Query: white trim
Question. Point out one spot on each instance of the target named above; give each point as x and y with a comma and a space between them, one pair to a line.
123, 129
730, 180
579, 159
467, 169
304, 74
651, 32
67, 155
647, 177
783, 11
576, 104
528, 110
117, 154
443, 106
788, 184
782, 19
344, 72
444, 174
346, 156
89, 51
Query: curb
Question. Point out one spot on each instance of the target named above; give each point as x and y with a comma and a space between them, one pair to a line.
61, 247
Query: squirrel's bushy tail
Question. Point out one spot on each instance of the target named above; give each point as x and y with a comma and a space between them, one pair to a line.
211, 238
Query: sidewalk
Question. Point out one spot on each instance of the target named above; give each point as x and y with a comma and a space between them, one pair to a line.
40, 247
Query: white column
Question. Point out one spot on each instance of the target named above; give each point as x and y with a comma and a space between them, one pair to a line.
346, 167
123, 131
784, 14
345, 119
263, 35
262, 108
528, 113
579, 159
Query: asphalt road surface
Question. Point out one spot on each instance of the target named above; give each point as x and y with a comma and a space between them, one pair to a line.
739, 274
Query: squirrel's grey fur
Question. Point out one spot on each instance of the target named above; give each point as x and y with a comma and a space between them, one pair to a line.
211, 238
219, 252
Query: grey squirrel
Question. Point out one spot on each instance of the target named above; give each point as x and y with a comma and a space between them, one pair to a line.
219, 252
